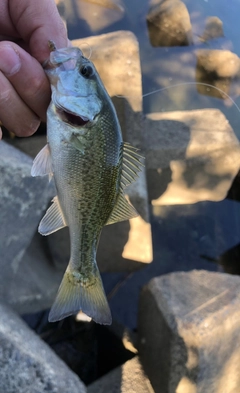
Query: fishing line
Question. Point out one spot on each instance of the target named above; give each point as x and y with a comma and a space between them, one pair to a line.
193, 83
183, 84
88, 56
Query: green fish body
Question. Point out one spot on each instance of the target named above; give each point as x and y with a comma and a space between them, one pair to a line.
91, 166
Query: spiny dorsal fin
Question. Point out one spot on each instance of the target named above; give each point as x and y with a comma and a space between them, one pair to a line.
42, 164
132, 164
53, 219
122, 211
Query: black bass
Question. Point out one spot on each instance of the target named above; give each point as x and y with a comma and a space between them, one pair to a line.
91, 166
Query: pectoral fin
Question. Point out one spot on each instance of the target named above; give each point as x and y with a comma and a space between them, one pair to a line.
122, 211
42, 164
53, 219
78, 142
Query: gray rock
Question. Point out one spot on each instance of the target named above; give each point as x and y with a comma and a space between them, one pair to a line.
34, 285
27, 364
23, 200
169, 24
31, 145
191, 156
188, 332
128, 378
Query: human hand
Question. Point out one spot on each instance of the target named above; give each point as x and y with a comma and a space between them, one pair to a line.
24, 87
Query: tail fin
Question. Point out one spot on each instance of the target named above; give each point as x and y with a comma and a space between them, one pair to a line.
74, 296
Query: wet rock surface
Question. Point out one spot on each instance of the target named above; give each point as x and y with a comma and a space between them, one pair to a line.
213, 29
188, 329
222, 63
169, 24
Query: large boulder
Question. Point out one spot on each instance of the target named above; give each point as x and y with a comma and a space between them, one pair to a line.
27, 364
188, 332
191, 156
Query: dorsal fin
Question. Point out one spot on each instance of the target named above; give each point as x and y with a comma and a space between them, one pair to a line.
132, 164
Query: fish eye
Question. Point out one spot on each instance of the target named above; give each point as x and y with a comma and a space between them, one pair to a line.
86, 71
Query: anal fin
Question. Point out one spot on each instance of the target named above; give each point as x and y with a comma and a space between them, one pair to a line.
53, 219
122, 211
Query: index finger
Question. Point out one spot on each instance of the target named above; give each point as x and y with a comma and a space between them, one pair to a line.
37, 22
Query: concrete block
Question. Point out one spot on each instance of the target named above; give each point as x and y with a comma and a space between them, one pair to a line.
191, 156
189, 332
27, 364
129, 378
127, 245
23, 200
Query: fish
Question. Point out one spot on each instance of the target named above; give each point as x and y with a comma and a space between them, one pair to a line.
91, 166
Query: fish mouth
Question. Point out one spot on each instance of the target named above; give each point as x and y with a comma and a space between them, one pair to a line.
71, 118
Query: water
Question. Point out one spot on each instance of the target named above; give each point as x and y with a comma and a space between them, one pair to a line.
164, 67
185, 236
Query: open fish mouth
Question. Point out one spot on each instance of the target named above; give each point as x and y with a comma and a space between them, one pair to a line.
72, 118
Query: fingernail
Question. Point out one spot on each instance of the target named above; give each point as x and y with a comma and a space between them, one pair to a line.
10, 62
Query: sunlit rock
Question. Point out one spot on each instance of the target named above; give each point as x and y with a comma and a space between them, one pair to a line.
188, 332
96, 15
191, 156
28, 364
222, 63
111, 4
213, 28
169, 24
128, 378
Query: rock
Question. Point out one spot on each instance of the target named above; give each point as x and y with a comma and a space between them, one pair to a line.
28, 364
213, 29
31, 145
191, 156
91, 16
126, 245
128, 378
188, 330
34, 285
169, 24
23, 200
222, 63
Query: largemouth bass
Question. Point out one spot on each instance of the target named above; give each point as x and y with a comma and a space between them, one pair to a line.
91, 166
